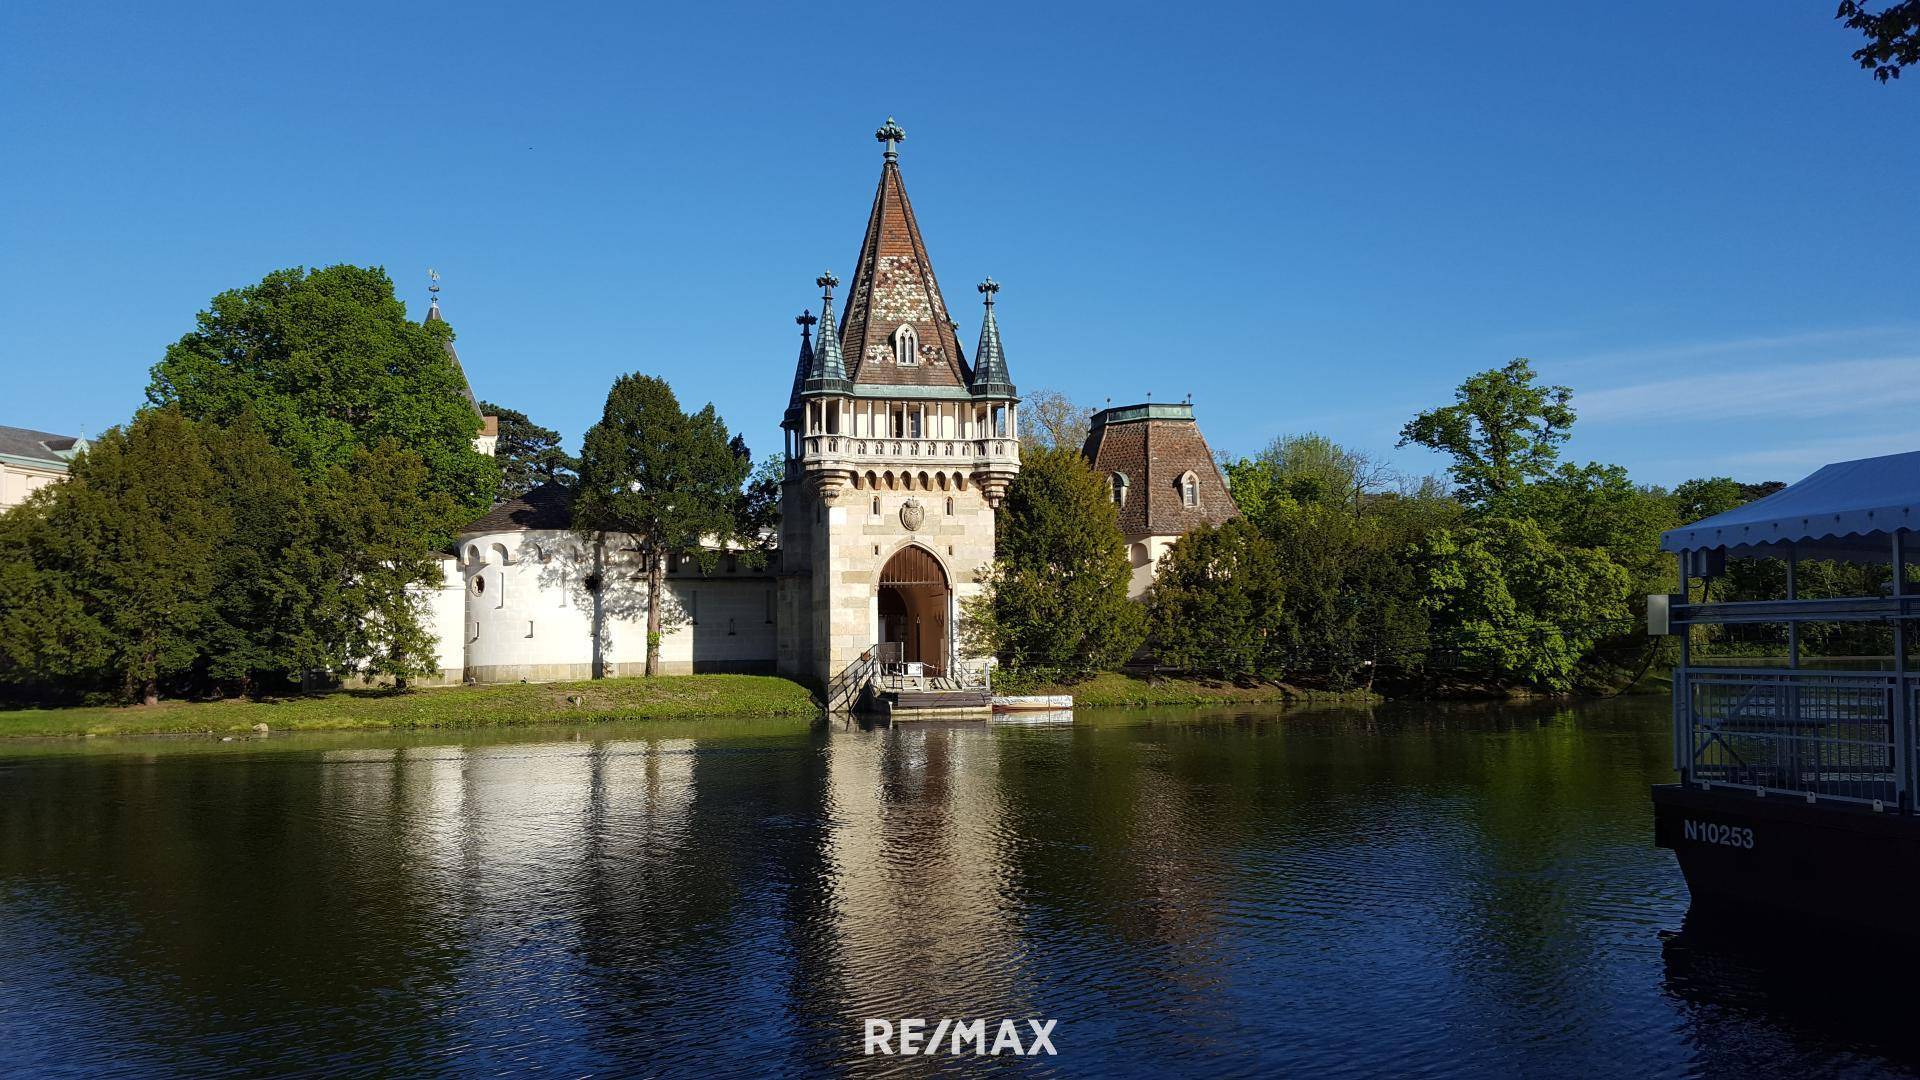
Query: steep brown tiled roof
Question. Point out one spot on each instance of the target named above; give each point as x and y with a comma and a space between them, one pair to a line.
893, 284
1154, 446
549, 506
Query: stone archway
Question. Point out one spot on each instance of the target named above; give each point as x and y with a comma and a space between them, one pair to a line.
915, 606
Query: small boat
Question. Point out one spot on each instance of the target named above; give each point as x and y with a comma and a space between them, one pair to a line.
1009, 703
1796, 794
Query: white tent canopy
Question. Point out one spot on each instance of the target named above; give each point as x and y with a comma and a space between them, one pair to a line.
1846, 510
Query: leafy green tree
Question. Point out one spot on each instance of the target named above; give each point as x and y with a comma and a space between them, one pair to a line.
1502, 431
53, 644
669, 480
1514, 604
377, 516
329, 363
529, 455
1055, 602
1217, 607
1893, 35
125, 551
1303, 469
1350, 600
269, 589
1598, 506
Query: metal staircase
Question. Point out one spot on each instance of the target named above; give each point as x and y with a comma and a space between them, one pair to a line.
883, 681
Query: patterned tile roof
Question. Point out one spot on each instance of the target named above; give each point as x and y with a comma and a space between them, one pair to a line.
1153, 447
894, 286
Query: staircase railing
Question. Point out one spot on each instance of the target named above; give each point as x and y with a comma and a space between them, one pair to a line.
844, 690
884, 666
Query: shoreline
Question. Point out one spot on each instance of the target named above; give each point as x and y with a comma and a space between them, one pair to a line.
664, 697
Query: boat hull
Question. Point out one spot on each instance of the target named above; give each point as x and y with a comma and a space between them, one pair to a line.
1748, 854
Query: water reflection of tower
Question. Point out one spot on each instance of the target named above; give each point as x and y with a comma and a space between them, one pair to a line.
918, 852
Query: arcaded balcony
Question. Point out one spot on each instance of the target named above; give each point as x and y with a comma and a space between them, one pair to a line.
916, 433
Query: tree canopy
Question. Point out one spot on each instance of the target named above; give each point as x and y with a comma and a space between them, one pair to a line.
670, 480
1502, 431
328, 363
1056, 598
1892, 32
529, 455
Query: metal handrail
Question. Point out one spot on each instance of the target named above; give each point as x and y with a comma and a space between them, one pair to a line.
1818, 734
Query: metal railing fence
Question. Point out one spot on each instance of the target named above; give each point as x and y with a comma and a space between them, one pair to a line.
1821, 735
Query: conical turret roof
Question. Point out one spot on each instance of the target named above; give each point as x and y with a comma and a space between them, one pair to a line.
829, 372
894, 287
990, 377
803, 368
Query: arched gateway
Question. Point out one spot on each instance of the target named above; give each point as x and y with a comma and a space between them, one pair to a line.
915, 604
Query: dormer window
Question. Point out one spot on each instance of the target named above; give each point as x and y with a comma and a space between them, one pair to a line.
1119, 484
1189, 490
906, 346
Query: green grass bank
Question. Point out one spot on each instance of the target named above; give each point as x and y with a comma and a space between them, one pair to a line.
1116, 689
668, 697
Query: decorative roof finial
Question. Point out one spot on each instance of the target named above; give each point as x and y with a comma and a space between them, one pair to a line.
892, 136
827, 281
433, 287
806, 320
988, 288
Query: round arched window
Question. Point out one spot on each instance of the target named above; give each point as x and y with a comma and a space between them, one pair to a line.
479, 584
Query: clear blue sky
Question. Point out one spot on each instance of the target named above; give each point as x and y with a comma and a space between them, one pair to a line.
1701, 215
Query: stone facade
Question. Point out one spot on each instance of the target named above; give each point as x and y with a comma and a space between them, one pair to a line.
898, 454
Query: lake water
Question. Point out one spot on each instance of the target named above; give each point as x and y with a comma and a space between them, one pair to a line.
1463, 891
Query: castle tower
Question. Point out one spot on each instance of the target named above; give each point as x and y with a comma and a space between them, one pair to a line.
898, 453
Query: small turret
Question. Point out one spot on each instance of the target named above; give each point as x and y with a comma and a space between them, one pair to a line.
829, 372
803, 368
990, 376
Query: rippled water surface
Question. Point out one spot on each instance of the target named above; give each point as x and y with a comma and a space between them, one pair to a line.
1415, 891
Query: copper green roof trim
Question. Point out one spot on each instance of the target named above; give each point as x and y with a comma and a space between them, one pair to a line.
829, 374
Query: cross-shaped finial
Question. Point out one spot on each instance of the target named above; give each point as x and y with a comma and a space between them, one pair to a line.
892, 136
806, 318
827, 281
988, 288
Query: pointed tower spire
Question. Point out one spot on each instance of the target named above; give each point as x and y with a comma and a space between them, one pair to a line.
829, 372
895, 327
804, 367
990, 376
434, 316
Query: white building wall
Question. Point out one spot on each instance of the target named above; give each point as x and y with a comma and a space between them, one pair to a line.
19, 481
446, 615
1144, 553
529, 615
